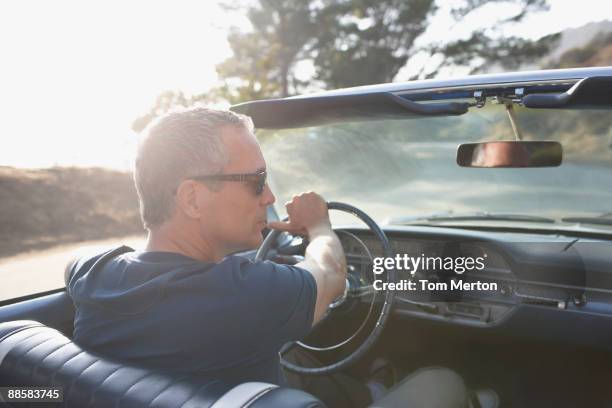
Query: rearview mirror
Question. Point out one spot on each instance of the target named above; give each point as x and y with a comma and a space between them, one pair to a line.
510, 154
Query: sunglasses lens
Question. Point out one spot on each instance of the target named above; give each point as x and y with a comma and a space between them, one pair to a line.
261, 184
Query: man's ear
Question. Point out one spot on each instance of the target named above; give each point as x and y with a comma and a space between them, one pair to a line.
188, 201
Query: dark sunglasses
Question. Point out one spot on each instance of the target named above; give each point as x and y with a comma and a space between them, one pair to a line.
257, 180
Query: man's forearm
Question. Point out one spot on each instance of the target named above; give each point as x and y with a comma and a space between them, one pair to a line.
324, 257
326, 251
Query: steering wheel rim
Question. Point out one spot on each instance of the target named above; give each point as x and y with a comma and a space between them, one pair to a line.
387, 301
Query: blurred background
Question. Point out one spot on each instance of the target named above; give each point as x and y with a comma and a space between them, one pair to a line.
79, 80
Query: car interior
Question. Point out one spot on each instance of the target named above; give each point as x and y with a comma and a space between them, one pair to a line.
534, 323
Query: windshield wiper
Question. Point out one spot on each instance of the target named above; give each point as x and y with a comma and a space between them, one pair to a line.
441, 217
602, 219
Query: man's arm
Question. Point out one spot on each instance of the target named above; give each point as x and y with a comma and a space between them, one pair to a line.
326, 262
324, 257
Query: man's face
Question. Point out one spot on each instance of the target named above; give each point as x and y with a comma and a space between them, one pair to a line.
236, 214
503, 154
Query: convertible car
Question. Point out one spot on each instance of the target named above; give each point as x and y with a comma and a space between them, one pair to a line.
476, 217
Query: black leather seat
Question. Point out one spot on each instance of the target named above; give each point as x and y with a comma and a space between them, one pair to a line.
32, 354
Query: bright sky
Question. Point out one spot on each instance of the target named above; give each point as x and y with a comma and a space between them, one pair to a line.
75, 74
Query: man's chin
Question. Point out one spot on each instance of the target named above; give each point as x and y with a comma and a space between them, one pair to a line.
258, 241
255, 243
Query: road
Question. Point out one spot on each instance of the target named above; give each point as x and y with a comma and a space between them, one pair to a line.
39, 271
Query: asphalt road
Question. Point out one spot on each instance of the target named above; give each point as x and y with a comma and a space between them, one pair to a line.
39, 271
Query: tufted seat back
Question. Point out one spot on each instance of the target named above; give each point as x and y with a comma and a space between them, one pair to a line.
32, 354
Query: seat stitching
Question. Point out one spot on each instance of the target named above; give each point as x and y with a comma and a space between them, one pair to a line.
118, 402
64, 363
38, 345
42, 362
55, 351
79, 351
71, 386
168, 386
133, 385
21, 358
25, 338
99, 385
198, 391
79, 376
193, 394
71, 383
6, 336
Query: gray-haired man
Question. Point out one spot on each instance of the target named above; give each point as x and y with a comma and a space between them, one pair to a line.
186, 304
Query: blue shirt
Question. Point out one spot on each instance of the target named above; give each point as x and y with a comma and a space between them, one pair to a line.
164, 310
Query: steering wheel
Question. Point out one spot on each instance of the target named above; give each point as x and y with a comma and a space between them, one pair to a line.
350, 291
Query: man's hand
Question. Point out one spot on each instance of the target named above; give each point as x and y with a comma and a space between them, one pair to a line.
324, 257
307, 214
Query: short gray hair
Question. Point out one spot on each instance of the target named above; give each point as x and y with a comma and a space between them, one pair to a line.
176, 146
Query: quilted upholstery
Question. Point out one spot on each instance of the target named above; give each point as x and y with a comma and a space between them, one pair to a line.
33, 354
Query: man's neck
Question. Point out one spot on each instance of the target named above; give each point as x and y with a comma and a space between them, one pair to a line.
165, 238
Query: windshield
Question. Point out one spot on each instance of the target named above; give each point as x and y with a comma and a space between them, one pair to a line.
395, 169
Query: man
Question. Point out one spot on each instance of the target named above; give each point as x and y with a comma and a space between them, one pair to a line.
500, 154
186, 304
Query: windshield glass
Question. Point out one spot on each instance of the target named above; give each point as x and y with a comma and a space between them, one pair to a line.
406, 168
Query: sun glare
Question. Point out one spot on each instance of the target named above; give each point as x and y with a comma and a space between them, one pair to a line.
75, 75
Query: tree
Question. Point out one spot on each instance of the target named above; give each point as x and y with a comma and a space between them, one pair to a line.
361, 42
367, 41
480, 50
380, 36
487, 46
263, 64
355, 42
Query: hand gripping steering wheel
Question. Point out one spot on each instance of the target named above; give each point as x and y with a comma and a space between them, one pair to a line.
351, 291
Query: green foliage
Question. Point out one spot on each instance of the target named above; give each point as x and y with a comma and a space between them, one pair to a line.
350, 43
528, 6
481, 50
263, 61
486, 46
367, 41
361, 42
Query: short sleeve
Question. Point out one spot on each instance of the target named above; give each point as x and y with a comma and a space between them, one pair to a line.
79, 267
280, 299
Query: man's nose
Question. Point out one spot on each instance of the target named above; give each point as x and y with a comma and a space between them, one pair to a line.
268, 196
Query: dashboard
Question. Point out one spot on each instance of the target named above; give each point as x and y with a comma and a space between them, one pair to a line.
531, 283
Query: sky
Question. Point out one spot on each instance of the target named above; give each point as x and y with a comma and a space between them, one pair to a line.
75, 74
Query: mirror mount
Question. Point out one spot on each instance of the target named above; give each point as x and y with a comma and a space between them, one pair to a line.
508, 153
512, 117
481, 99
509, 104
